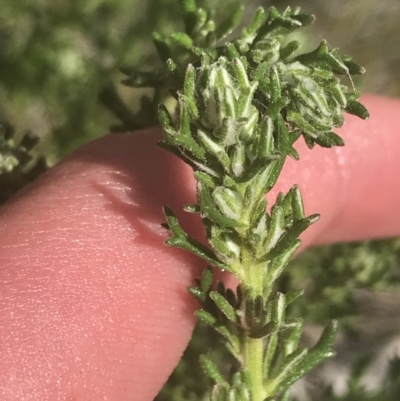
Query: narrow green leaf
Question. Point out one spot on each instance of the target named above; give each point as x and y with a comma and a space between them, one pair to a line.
227, 250
229, 182
292, 337
162, 47
231, 51
261, 73
166, 122
277, 22
214, 148
228, 201
205, 179
339, 93
177, 152
206, 317
356, 108
289, 49
276, 228
224, 306
293, 233
275, 84
297, 203
233, 345
185, 137
299, 121
280, 261
188, 6
267, 178
287, 207
294, 135
259, 212
265, 146
208, 208
278, 310
196, 248
189, 91
273, 14
175, 73
182, 39
192, 208
280, 379
285, 395
309, 140
283, 142
211, 369
207, 280
241, 75
292, 295
235, 352
328, 140
327, 338
257, 172
189, 9
173, 223
238, 160
305, 19
269, 355
227, 27
181, 240
354, 68
252, 29
197, 293
321, 351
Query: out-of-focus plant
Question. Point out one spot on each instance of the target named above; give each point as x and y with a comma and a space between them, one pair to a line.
17, 165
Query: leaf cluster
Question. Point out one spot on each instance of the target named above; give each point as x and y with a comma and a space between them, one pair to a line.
235, 316
240, 108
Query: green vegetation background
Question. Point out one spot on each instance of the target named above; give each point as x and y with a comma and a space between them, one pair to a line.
60, 79
58, 56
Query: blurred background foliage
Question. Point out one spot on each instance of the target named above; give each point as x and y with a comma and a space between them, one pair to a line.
60, 59
60, 79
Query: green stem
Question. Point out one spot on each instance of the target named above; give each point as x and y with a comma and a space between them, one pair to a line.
253, 349
253, 276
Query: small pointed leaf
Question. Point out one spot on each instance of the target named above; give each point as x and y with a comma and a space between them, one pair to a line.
181, 240
356, 108
162, 47
206, 317
212, 370
224, 306
182, 39
227, 27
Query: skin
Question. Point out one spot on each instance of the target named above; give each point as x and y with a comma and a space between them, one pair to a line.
93, 306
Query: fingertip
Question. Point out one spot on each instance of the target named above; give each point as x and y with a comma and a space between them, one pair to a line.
355, 188
94, 305
369, 168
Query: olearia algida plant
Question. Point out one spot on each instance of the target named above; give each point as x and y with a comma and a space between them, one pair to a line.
241, 106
